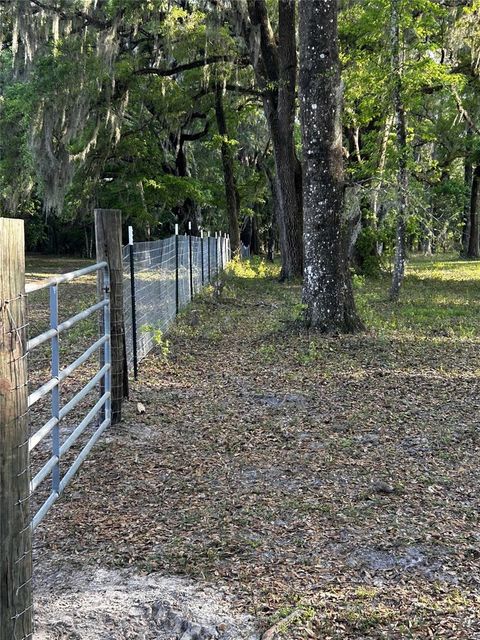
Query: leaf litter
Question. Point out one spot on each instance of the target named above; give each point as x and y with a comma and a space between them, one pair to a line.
329, 484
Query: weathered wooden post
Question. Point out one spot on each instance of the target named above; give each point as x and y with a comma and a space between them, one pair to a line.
15, 531
108, 239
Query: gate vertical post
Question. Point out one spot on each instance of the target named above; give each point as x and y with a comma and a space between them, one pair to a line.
15, 531
56, 390
108, 238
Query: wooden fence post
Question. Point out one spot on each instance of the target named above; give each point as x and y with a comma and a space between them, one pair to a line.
15, 532
108, 238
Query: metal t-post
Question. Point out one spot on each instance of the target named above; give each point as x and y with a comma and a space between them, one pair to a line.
177, 292
190, 257
201, 256
133, 302
208, 248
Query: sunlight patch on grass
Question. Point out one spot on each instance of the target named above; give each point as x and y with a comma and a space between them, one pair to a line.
439, 297
255, 267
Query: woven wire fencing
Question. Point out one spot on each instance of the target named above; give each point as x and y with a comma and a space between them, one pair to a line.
160, 278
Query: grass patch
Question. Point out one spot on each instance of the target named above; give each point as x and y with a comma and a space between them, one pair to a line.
439, 297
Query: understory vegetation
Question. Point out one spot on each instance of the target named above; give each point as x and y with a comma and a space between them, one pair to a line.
330, 482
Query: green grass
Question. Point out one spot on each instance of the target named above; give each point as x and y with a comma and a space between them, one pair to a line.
439, 294
439, 297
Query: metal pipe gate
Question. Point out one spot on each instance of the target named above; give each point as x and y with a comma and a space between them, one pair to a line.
101, 411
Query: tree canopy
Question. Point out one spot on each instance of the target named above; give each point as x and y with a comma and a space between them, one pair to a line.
188, 110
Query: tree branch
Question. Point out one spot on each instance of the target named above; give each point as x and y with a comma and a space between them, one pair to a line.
464, 113
190, 137
245, 90
194, 64
102, 24
234, 88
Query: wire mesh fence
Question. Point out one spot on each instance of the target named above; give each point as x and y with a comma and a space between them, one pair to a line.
160, 278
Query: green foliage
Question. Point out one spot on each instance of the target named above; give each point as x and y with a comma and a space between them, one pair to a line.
253, 268
367, 257
148, 143
162, 343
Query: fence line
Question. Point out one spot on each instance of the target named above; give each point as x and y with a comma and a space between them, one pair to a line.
148, 282
160, 278
56, 453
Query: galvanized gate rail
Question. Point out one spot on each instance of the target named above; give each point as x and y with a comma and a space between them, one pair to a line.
101, 411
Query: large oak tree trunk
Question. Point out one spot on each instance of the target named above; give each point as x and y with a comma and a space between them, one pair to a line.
289, 172
474, 239
231, 191
327, 290
276, 72
400, 245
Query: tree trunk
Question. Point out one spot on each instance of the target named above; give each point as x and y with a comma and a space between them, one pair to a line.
400, 247
426, 244
289, 173
185, 212
468, 176
327, 289
474, 239
231, 191
255, 246
276, 71
381, 168
272, 231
